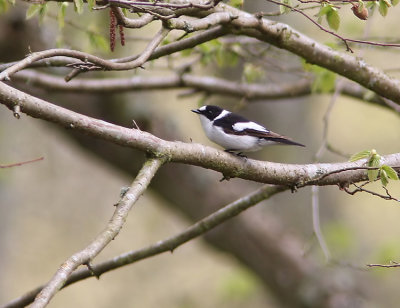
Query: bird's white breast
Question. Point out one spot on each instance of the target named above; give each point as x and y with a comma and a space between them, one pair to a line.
232, 142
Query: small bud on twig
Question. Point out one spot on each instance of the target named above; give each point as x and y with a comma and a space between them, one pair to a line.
360, 11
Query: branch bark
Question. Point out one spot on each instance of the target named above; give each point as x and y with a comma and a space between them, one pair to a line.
188, 153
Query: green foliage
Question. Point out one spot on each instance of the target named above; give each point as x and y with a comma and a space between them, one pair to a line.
324, 81
236, 3
339, 237
395, 2
383, 7
284, 9
78, 6
374, 161
98, 41
239, 286
360, 155
61, 14
5, 5
385, 172
91, 4
252, 73
215, 51
331, 14
388, 252
37, 9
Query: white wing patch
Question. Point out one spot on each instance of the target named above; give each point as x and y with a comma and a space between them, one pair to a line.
222, 114
248, 125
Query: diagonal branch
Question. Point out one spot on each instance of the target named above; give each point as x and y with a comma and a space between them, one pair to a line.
190, 153
169, 244
114, 226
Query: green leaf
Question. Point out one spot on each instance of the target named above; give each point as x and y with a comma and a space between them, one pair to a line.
284, 9
333, 19
395, 2
324, 81
360, 155
384, 177
3, 6
391, 173
226, 57
11, 2
252, 73
61, 14
383, 7
91, 4
325, 9
374, 161
78, 6
98, 41
236, 3
32, 11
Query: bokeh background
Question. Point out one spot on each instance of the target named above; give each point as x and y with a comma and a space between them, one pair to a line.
53, 208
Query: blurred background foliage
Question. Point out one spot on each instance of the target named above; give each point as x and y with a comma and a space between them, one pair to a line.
52, 208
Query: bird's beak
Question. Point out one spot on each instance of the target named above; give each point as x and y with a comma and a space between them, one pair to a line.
196, 111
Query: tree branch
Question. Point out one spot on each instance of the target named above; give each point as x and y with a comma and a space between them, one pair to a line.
189, 153
88, 61
169, 244
86, 255
207, 84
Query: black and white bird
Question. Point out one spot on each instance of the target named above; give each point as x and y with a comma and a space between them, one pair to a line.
235, 133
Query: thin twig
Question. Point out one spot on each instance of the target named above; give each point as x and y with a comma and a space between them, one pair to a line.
360, 188
112, 229
343, 39
392, 265
22, 163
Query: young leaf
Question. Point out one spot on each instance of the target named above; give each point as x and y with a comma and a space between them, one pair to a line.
236, 3
252, 73
360, 155
61, 14
333, 19
91, 4
383, 7
374, 161
391, 173
284, 9
98, 41
384, 177
32, 11
78, 5
325, 9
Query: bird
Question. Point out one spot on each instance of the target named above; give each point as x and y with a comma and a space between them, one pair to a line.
235, 133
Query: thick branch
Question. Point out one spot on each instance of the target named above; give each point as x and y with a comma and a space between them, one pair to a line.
85, 256
188, 153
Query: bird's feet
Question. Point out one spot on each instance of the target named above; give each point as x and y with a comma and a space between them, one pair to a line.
234, 152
